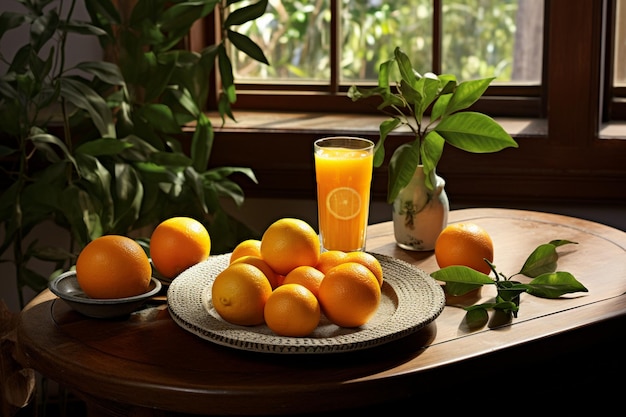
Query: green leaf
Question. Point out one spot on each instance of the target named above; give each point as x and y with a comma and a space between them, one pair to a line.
84, 97
458, 274
42, 29
129, 194
247, 45
155, 73
103, 146
82, 214
506, 306
466, 94
226, 73
42, 140
476, 317
440, 107
246, 14
474, 132
106, 71
555, 284
83, 28
10, 20
542, 260
384, 71
220, 173
401, 169
428, 88
432, 149
457, 288
405, 67
172, 159
184, 14
386, 127
202, 143
161, 117
562, 242
103, 12
448, 83
510, 290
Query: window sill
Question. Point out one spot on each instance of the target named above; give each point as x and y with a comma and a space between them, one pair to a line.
343, 124
278, 148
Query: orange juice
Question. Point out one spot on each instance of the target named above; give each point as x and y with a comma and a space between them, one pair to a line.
343, 168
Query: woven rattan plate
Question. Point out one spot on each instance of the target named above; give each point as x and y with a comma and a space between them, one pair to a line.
410, 300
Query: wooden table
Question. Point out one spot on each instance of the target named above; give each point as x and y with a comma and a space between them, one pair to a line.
147, 365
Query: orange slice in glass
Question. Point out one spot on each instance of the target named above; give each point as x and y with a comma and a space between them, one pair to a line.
344, 203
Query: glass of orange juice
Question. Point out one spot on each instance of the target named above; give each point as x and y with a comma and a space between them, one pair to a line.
343, 170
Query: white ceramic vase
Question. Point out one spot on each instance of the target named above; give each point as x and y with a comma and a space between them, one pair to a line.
420, 214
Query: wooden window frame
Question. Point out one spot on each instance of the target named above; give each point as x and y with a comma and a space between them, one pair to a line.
565, 154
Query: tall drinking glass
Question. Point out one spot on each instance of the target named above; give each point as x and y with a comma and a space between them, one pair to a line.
343, 169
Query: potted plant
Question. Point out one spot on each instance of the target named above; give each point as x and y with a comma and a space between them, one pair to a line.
97, 147
420, 205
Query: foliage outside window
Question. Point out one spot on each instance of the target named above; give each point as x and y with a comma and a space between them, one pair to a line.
473, 39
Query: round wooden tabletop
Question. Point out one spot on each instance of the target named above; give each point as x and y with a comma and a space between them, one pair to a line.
146, 362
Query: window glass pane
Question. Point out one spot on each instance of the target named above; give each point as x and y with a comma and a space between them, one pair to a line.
295, 38
484, 38
479, 38
372, 29
620, 45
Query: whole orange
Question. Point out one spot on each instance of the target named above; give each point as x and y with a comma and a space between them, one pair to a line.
465, 244
288, 243
257, 261
330, 258
239, 294
113, 266
368, 260
249, 247
178, 243
292, 310
307, 276
349, 294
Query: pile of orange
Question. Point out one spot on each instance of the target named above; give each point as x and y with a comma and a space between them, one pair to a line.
284, 281
115, 266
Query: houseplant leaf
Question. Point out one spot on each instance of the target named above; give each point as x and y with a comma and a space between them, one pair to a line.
247, 45
401, 168
246, 14
474, 132
467, 93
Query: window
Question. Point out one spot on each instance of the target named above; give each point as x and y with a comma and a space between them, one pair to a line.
327, 45
568, 120
617, 75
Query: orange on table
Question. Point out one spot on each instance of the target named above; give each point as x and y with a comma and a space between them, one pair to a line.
239, 294
257, 261
248, 247
331, 258
178, 243
343, 192
113, 266
288, 243
307, 276
349, 294
368, 260
465, 244
292, 310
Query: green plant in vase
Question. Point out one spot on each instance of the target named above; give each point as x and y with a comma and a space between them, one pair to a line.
434, 108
